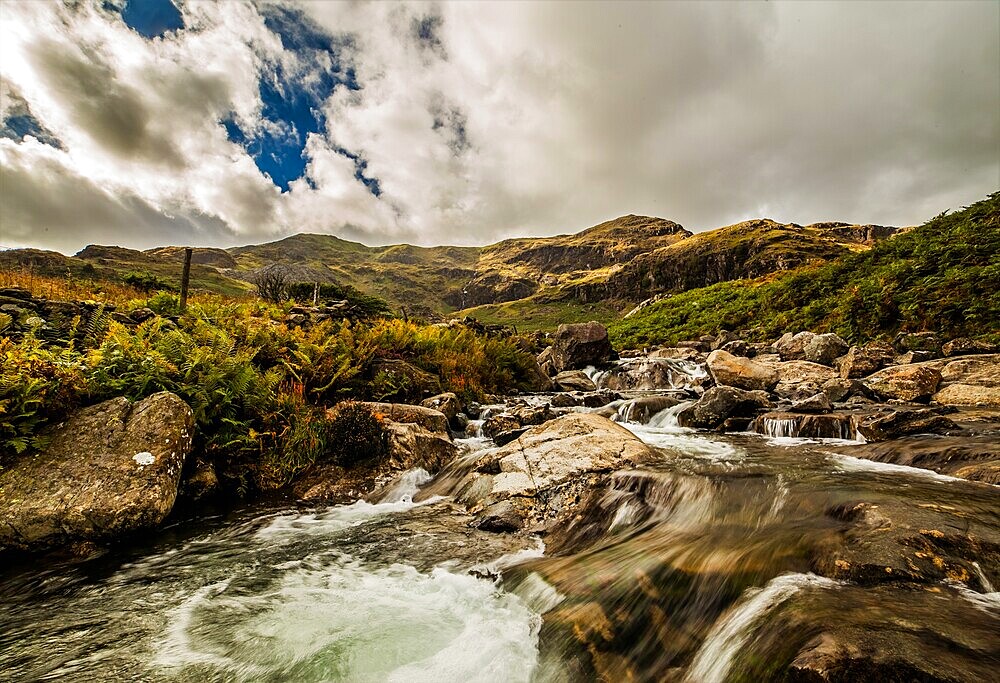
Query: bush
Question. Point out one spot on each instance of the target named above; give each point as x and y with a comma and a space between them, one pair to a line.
356, 434
145, 281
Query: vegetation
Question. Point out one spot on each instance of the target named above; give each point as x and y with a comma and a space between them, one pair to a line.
942, 276
259, 386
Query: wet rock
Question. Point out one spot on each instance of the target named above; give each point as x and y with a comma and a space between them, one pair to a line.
838, 389
721, 402
428, 418
574, 380
862, 361
973, 457
818, 426
968, 395
202, 484
738, 348
642, 409
578, 345
913, 383
964, 346
824, 348
504, 438
531, 415
549, 468
880, 427
796, 392
109, 470
926, 342
499, 424
742, 373
596, 399
818, 403
793, 346
645, 374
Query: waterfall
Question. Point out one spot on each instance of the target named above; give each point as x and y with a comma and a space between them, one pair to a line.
732, 633
780, 427
667, 419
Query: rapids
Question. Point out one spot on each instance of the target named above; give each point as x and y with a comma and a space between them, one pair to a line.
697, 567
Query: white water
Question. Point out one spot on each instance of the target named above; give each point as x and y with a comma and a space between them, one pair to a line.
734, 631
663, 431
778, 428
848, 463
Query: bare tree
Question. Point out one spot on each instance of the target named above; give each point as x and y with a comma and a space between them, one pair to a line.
272, 284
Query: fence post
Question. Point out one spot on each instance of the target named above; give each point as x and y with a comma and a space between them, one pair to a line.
185, 279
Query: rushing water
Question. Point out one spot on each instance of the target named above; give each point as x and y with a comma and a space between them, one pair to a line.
696, 567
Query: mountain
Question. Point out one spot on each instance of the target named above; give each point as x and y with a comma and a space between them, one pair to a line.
597, 273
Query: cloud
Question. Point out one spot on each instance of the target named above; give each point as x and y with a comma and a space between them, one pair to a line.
469, 122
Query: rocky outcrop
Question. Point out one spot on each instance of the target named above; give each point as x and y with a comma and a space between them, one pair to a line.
539, 479
110, 470
968, 395
742, 373
912, 383
578, 345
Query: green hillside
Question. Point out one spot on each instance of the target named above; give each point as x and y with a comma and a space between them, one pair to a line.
943, 275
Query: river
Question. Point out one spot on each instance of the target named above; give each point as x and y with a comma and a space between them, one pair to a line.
700, 566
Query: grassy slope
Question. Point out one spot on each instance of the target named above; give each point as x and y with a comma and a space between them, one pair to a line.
943, 275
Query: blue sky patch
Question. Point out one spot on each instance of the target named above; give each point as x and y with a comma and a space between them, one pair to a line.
152, 18
292, 102
21, 122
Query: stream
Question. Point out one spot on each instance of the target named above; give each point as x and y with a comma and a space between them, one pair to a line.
699, 566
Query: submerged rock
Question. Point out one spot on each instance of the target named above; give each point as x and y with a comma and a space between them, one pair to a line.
881, 426
109, 470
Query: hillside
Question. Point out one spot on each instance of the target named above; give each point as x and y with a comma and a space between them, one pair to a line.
943, 275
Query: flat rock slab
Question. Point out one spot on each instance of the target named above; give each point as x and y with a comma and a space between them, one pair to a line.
110, 469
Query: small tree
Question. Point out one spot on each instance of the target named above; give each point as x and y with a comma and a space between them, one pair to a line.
272, 285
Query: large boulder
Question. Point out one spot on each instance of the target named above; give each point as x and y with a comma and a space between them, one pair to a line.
643, 409
109, 470
720, 403
825, 348
578, 345
574, 380
892, 425
981, 371
543, 475
428, 418
968, 395
446, 403
904, 383
861, 361
645, 374
793, 346
742, 373
802, 371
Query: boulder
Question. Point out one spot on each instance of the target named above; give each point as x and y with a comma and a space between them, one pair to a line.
546, 472
574, 380
981, 371
109, 470
968, 395
739, 348
964, 346
725, 337
817, 403
428, 418
642, 409
498, 424
914, 357
793, 346
892, 425
825, 348
578, 345
742, 373
796, 392
806, 426
408, 382
862, 361
838, 389
648, 374
446, 403
545, 362
722, 402
801, 371
912, 383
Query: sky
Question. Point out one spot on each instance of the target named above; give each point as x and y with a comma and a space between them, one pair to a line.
149, 122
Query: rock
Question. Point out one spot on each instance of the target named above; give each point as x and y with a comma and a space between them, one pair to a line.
428, 418
545, 362
904, 383
741, 373
504, 438
818, 403
498, 425
566, 400
446, 403
600, 398
647, 374
16, 293
825, 348
411, 445
721, 402
202, 484
723, 338
801, 371
796, 392
573, 380
738, 348
964, 346
981, 371
928, 342
968, 395
821, 426
880, 427
914, 357
578, 345
694, 345
838, 389
642, 409
546, 472
676, 353
862, 361
792, 346
531, 415
141, 315
109, 470
969, 456
408, 382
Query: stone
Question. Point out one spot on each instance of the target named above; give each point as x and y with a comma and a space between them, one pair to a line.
861, 361
968, 395
838, 389
109, 470
801, 371
914, 357
792, 346
498, 424
796, 391
721, 402
742, 373
739, 348
725, 337
504, 438
546, 363
806, 426
141, 315
446, 403
646, 374
981, 371
409, 382
428, 418
912, 383
928, 342
573, 380
577, 345
964, 346
818, 403
825, 348
202, 484
882, 426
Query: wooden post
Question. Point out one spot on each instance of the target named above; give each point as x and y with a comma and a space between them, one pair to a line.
316, 294
185, 279
406, 318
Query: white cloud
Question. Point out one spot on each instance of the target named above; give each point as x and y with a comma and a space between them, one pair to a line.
503, 119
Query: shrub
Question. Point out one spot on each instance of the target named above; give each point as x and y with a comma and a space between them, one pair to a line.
145, 281
356, 434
